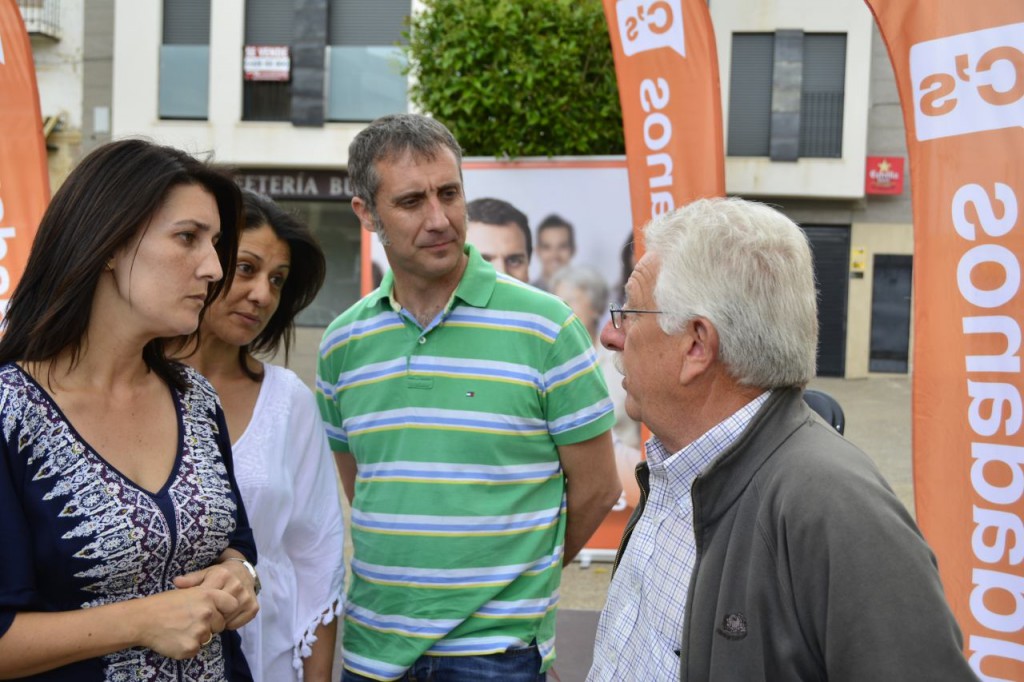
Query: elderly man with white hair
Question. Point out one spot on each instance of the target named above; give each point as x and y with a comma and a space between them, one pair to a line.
766, 546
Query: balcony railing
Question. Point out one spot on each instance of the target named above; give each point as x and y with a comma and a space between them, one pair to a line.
42, 17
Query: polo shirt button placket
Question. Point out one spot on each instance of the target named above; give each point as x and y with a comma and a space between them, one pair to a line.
422, 340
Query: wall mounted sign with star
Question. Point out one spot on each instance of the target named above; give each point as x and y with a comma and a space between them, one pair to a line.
884, 175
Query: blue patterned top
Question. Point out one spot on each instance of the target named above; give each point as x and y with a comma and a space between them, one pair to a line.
77, 534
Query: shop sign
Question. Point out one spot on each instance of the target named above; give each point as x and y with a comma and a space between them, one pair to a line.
884, 175
267, 63
303, 185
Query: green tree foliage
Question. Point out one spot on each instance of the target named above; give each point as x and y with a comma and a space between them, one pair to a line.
517, 77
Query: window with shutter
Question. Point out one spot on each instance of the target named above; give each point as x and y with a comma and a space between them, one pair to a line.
822, 96
185, 60
365, 62
756, 77
268, 22
750, 94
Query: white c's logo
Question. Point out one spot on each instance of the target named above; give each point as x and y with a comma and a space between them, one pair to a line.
969, 83
650, 24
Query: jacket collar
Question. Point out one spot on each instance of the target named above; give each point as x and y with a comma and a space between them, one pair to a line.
717, 488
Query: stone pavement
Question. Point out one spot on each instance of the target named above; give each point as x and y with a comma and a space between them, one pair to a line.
877, 413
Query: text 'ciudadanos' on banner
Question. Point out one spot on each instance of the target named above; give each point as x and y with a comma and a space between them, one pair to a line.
960, 72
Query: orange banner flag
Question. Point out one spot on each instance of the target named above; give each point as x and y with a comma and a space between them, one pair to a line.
960, 72
666, 65
24, 178
667, 71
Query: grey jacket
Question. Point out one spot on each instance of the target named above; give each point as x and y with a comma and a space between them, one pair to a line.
808, 566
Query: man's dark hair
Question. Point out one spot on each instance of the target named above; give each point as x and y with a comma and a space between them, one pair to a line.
499, 212
555, 220
387, 138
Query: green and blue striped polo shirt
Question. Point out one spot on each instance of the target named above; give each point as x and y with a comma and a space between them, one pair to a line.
458, 521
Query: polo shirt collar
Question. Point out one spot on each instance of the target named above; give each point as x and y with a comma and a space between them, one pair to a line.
383, 291
478, 281
475, 287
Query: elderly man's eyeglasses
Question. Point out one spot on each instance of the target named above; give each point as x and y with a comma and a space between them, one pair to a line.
619, 313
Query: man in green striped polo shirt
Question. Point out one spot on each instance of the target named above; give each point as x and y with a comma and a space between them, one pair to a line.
471, 430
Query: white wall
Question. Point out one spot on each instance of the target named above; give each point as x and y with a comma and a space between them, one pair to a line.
813, 178
59, 66
138, 35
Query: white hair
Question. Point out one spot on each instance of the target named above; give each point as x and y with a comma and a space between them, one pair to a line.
586, 279
746, 268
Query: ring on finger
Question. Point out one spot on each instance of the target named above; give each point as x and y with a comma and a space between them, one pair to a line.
207, 641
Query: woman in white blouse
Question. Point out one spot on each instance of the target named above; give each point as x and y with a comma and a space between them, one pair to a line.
283, 464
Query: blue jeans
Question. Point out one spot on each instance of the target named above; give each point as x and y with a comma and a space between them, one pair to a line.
514, 665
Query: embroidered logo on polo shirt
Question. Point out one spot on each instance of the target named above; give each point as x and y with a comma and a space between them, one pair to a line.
734, 626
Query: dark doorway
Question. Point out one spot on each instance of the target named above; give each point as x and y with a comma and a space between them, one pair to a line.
830, 247
890, 314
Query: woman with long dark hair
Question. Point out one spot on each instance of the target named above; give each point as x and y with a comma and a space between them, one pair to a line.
284, 465
127, 553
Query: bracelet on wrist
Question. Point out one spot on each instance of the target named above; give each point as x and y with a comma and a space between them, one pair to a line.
252, 571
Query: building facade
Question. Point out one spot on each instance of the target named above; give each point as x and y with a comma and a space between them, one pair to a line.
278, 88
808, 97
73, 54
